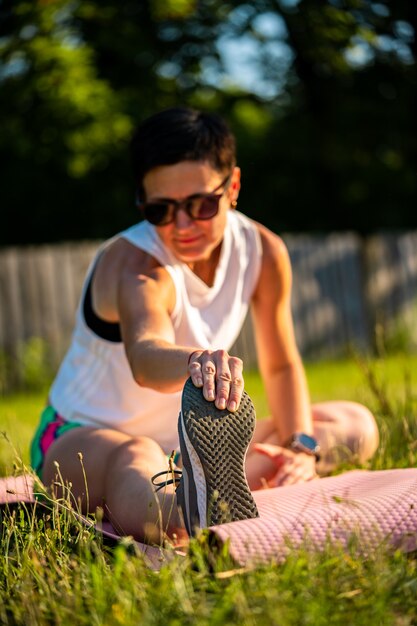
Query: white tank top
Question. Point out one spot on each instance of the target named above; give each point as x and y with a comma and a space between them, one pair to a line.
94, 385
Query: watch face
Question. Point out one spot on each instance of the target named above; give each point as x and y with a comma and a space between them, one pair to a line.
307, 441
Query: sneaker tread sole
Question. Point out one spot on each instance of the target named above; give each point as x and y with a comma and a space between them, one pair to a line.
220, 440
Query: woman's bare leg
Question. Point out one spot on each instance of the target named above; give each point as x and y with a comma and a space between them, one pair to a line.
343, 429
118, 469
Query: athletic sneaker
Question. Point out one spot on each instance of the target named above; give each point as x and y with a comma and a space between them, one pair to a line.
213, 488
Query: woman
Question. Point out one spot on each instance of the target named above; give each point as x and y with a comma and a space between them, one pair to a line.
164, 301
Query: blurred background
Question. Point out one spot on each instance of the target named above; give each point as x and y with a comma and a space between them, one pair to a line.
321, 95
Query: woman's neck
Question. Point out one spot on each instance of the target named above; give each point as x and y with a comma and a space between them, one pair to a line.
205, 269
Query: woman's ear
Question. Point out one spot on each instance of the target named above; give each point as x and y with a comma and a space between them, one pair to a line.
234, 187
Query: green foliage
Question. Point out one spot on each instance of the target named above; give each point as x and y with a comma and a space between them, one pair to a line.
324, 133
396, 339
396, 336
36, 371
4, 369
30, 369
172, 9
77, 113
252, 117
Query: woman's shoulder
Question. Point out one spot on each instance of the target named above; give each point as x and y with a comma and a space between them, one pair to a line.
272, 244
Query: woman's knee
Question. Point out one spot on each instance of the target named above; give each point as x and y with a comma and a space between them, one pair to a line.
361, 430
366, 430
142, 452
130, 498
345, 426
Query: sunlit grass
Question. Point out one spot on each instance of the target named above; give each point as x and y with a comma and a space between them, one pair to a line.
19, 415
54, 570
346, 379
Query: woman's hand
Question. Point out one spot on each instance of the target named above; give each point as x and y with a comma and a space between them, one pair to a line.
220, 375
292, 467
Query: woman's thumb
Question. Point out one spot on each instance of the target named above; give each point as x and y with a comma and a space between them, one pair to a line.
273, 452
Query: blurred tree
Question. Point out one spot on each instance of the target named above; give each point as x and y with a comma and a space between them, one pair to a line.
348, 136
321, 95
61, 122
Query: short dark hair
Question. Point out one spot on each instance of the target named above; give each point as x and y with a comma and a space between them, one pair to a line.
181, 134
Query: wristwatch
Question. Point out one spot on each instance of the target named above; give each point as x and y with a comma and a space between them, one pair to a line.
300, 442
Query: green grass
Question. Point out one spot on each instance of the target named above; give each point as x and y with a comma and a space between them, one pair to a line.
19, 415
56, 571
346, 380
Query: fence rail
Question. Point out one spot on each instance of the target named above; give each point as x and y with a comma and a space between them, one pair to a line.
344, 287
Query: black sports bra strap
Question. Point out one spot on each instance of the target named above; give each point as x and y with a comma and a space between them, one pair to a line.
105, 330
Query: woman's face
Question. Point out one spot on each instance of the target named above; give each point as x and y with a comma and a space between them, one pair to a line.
191, 240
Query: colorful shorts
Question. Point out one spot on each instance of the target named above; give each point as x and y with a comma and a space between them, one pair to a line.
51, 426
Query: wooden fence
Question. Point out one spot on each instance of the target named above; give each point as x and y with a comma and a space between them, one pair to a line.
343, 288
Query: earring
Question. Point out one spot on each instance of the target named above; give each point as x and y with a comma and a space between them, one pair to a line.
233, 204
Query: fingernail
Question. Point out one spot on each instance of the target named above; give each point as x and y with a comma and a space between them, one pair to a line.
232, 406
199, 382
210, 394
222, 403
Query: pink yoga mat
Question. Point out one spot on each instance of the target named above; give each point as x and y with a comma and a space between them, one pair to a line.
378, 508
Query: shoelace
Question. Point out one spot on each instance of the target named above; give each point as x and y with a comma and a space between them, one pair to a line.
175, 475
174, 480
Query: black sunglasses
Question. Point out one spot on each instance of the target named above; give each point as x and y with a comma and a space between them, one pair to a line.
200, 206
